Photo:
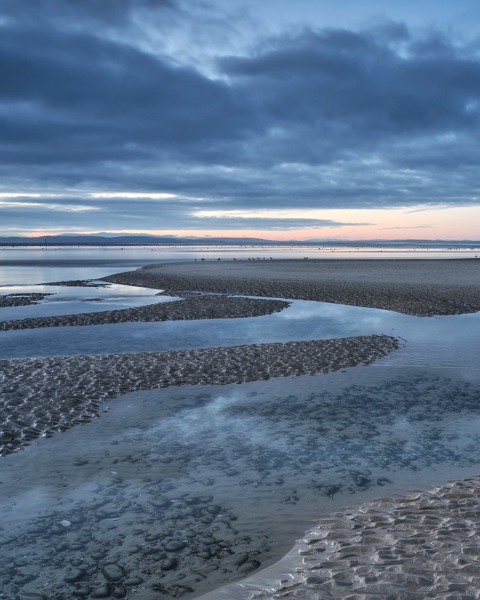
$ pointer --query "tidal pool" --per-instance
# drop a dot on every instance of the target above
(177, 491)
(302, 320)
(70, 300)
(191, 488)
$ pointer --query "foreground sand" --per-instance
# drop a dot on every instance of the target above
(415, 287)
(44, 395)
(426, 545)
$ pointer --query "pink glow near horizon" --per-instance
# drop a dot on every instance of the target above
(423, 223)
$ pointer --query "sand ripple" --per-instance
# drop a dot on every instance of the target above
(426, 545)
(44, 395)
(421, 288)
(192, 307)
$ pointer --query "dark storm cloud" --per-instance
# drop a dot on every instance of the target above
(332, 118)
(80, 12)
(349, 92)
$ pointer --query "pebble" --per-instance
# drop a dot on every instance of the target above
(103, 591)
(74, 575)
(207, 540)
(250, 565)
(174, 546)
(168, 564)
(82, 591)
(57, 529)
(132, 581)
(113, 572)
(214, 509)
(119, 591)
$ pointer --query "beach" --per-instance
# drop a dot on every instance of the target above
(424, 545)
(421, 546)
(416, 287)
(42, 396)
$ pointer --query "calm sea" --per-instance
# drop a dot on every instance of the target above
(20, 265)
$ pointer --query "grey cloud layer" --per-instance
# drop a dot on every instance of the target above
(330, 118)
(73, 213)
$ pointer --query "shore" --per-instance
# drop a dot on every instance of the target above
(193, 307)
(421, 546)
(44, 395)
(414, 287)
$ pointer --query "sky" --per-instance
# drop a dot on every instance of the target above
(313, 119)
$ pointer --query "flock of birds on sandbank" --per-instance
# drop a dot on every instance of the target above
(254, 258)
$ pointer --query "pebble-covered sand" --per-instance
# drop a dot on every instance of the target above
(90, 283)
(416, 287)
(198, 306)
(44, 395)
(8, 300)
(425, 545)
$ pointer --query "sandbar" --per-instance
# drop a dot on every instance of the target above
(190, 308)
(44, 395)
(415, 287)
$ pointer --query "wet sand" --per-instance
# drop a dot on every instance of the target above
(193, 307)
(44, 395)
(424, 545)
(8, 300)
(414, 287)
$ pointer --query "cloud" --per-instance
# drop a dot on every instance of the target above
(334, 118)
(269, 223)
(77, 14)
(165, 212)
(407, 227)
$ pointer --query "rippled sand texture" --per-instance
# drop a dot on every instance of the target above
(193, 307)
(162, 513)
(426, 545)
(43, 395)
(415, 287)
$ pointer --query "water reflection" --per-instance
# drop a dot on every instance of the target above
(187, 489)
(63, 300)
(303, 320)
(57, 263)
(232, 474)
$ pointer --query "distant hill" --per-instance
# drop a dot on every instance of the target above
(108, 239)
(105, 239)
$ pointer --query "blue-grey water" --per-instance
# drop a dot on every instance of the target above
(250, 465)
(22, 265)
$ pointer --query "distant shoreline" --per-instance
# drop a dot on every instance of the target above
(98, 242)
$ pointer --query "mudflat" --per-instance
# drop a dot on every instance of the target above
(417, 287)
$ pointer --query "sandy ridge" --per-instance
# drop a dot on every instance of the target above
(43, 395)
(193, 307)
(8, 300)
(415, 287)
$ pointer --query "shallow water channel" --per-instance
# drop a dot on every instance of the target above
(174, 492)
